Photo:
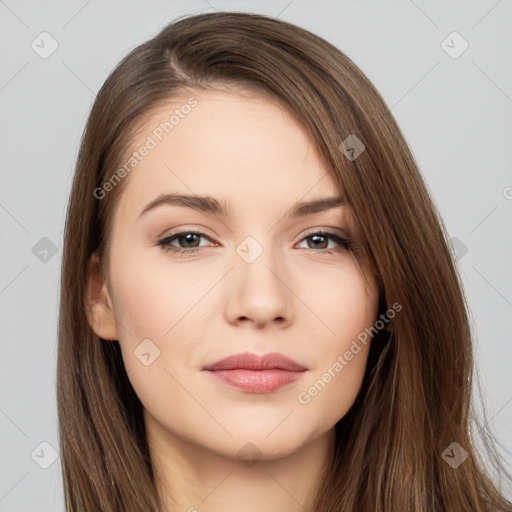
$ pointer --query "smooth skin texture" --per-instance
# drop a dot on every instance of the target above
(302, 297)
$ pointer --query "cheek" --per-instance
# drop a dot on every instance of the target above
(156, 337)
(349, 309)
(328, 397)
(342, 301)
(151, 304)
(158, 305)
(333, 386)
(153, 296)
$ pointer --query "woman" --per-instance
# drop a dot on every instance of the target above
(259, 309)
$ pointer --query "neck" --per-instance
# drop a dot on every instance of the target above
(193, 478)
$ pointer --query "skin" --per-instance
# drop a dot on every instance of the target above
(295, 299)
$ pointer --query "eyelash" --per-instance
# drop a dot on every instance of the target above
(164, 242)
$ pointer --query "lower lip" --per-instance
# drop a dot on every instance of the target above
(257, 381)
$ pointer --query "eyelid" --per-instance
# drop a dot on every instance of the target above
(186, 229)
(337, 230)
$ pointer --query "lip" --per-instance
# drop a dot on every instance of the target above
(256, 374)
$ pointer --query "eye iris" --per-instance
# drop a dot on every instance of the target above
(316, 237)
(188, 237)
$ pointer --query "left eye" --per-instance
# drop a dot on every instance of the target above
(326, 236)
(191, 239)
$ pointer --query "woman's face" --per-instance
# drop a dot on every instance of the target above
(260, 280)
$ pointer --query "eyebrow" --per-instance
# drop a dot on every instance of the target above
(210, 205)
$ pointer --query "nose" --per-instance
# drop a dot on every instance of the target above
(259, 293)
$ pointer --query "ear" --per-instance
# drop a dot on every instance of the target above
(99, 310)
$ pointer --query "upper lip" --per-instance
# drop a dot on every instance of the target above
(250, 361)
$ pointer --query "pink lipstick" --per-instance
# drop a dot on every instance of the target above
(256, 374)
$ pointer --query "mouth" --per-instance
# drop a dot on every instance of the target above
(256, 374)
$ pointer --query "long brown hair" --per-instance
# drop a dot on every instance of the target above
(415, 398)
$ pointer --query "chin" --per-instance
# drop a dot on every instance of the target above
(256, 444)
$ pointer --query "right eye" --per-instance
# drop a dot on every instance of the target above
(188, 236)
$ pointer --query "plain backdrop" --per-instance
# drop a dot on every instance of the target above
(453, 103)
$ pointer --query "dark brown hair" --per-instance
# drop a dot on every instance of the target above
(415, 397)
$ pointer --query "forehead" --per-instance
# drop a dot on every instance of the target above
(236, 145)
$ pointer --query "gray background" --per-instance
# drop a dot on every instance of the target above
(456, 114)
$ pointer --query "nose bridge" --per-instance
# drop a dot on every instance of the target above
(258, 282)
